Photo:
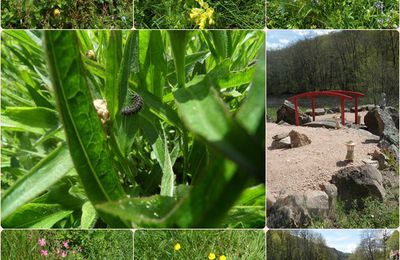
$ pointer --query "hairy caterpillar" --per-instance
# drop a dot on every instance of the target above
(135, 105)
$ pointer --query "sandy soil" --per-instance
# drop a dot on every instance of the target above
(307, 167)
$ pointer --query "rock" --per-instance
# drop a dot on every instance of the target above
(318, 111)
(283, 123)
(329, 111)
(381, 122)
(394, 113)
(322, 123)
(316, 202)
(288, 212)
(363, 108)
(280, 136)
(298, 140)
(281, 144)
(332, 193)
(296, 210)
(377, 119)
(270, 200)
(371, 162)
(381, 159)
(286, 113)
(355, 183)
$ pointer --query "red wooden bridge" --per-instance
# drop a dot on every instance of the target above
(342, 94)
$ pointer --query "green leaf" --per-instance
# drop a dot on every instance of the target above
(141, 212)
(36, 117)
(39, 179)
(251, 114)
(178, 40)
(36, 215)
(203, 113)
(89, 216)
(83, 129)
(168, 178)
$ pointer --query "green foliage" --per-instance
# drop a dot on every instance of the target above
(192, 157)
(198, 244)
(371, 213)
(345, 14)
(99, 244)
(173, 14)
(67, 14)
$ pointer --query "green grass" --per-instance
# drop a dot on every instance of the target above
(171, 14)
(198, 244)
(88, 14)
(99, 244)
(372, 214)
(342, 14)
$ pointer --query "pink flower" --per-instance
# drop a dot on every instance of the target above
(63, 254)
(44, 252)
(42, 242)
(65, 244)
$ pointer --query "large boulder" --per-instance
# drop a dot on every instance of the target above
(296, 210)
(317, 111)
(357, 183)
(297, 139)
(286, 113)
(378, 119)
(384, 123)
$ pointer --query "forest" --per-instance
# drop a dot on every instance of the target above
(365, 61)
(310, 245)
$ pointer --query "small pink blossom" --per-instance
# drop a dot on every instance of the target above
(44, 252)
(42, 242)
(63, 254)
(65, 244)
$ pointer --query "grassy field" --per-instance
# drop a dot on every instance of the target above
(224, 14)
(199, 244)
(71, 244)
(343, 14)
(67, 14)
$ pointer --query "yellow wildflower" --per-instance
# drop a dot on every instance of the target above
(211, 256)
(177, 247)
(222, 257)
(56, 12)
(202, 15)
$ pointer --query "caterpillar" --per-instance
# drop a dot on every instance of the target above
(135, 106)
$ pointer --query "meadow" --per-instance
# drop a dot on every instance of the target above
(66, 244)
(343, 14)
(66, 14)
(199, 244)
(133, 129)
(194, 14)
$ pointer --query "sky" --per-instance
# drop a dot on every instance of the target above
(345, 240)
(278, 39)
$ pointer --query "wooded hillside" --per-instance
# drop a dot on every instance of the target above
(310, 245)
(365, 61)
(300, 245)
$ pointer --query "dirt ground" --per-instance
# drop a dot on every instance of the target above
(307, 167)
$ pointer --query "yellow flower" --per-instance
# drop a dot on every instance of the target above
(211, 256)
(177, 247)
(56, 12)
(222, 257)
(201, 15)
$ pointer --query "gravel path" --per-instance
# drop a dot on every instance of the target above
(308, 167)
